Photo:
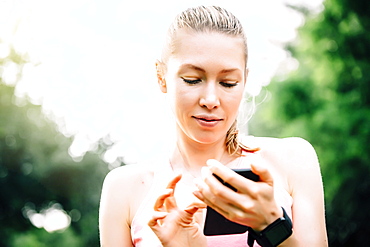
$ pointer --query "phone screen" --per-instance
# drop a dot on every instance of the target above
(215, 223)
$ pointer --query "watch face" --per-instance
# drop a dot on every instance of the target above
(278, 233)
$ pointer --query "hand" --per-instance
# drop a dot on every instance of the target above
(175, 227)
(252, 205)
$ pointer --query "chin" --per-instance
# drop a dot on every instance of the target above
(208, 138)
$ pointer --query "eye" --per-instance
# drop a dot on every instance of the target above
(192, 82)
(226, 84)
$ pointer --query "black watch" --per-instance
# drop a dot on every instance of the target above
(274, 234)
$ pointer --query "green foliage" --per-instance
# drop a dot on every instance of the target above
(40, 238)
(36, 170)
(326, 100)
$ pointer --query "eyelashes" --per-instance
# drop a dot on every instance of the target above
(191, 82)
(225, 84)
(196, 81)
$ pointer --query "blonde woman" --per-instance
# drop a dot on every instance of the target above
(204, 70)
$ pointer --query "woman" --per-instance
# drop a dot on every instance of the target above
(204, 71)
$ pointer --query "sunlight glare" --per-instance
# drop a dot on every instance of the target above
(52, 218)
(92, 64)
(10, 73)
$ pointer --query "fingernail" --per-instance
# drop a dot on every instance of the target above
(212, 162)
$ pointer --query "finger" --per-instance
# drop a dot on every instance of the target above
(263, 173)
(221, 201)
(153, 222)
(233, 208)
(209, 187)
(170, 203)
(209, 177)
(159, 203)
(225, 173)
(188, 217)
(201, 189)
(237, 181)
(190, 211)
(229, 211)
(198, 195)
(173, 182)
(194, 207)
(215, 194)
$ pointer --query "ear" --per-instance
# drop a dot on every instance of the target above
(160, 67)
(246, 75)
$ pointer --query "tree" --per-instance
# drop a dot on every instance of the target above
(36, 172)
(326, 100)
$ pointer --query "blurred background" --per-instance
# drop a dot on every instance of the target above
(78, 98)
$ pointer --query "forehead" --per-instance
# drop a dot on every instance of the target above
(205, 48)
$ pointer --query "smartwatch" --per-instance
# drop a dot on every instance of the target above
(274, 234)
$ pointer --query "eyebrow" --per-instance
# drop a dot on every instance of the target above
(191, 66)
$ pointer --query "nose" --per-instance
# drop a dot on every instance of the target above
(209, 98)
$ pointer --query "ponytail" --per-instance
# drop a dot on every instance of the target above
(232, 143)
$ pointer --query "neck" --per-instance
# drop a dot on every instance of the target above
(190, 156)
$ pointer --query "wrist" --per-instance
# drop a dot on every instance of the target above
(274, 234)
(274, 215)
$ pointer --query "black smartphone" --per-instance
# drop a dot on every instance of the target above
(215, 223)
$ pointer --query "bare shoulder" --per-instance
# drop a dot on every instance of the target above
(118, 194)
(290, 149)
(129, 175)
(123, 190)
(294, 158)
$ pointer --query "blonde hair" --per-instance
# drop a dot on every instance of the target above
(211, 19)
(205, 19)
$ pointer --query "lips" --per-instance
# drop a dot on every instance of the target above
(207, 121)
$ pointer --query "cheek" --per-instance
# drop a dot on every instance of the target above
(185, 99)
(182, 98)
(232, 103)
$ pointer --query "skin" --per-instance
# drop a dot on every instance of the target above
(205, 77)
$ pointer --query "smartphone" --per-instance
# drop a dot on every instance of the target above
(215, 223)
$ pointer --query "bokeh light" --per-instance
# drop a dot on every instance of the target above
(52, 218)
(92, 64)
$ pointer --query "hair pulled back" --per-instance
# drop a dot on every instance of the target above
(210, 19)
(205, 19)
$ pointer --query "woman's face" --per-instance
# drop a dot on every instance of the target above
(205, 77)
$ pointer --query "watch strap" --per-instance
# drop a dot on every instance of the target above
(274, 234)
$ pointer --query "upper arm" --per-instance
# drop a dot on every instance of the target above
(307, 191)
(114, 212)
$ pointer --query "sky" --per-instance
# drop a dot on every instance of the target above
(92, 64)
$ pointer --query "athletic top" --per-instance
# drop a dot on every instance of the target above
(143, 236)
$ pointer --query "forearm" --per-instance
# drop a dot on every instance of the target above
(295, 241)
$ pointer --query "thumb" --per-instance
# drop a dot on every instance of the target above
(153, 222)
(193, 208)
(263, 173)
(188, 217)
(190, 211)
